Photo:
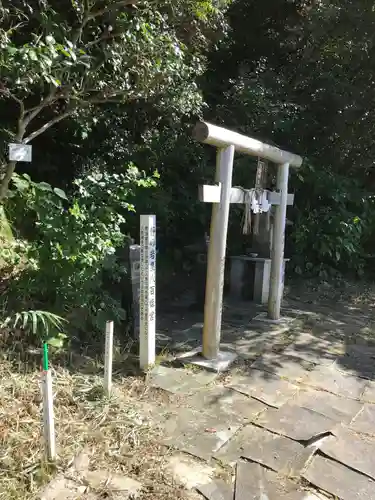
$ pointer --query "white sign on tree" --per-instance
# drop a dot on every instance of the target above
(20, 152)
(147, 302)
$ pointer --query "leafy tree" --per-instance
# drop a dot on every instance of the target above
(72, 244)
(299, 74)
(96, 86)
(59, 59)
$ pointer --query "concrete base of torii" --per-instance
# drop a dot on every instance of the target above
(221, 363)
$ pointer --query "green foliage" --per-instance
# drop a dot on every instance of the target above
(119, 73)
(74, 243)
(5, 229)
(331, 222)
(296, 74)
(62, 59)
(44, 325)
(135, 56)
(68, 55)
(13, 254)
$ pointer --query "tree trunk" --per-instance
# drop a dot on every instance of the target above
(10, 167)
(4, 186)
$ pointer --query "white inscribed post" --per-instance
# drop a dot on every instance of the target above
(147, 304)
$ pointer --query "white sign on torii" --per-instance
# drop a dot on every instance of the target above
(211, 194)
(221, 196)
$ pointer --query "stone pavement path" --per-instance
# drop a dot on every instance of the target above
(293, 419)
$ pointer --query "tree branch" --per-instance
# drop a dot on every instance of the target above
(109, 8)
(31, 113)
(104, 97)
(21, 123)
(11, 165)
(98, 99)
(109, 36)
(49, 124)
(7, 93)
(89, 15)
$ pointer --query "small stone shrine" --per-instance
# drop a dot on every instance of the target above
(250, 273)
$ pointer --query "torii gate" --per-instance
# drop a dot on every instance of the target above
(221, 196)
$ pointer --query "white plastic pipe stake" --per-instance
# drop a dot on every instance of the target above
(48, 417)
(108, 358)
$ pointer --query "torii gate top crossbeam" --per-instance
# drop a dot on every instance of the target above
(222, 138)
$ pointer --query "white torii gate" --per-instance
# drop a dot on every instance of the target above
(227, 143)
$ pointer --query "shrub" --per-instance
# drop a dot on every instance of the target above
(73, 243)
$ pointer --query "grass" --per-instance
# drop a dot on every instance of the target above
(119, 432)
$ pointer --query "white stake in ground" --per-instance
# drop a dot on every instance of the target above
(147, 299)
(48, 419)
(108, 358)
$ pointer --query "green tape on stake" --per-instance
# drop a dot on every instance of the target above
(45, 357)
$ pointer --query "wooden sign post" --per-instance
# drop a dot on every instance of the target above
(147, 303)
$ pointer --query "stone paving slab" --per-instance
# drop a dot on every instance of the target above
(198, 433)
(369, 393)
(61, 488)
(365, 420)
(295, 422)
(358, 360)
(328, 378)
(354, 450)
(275, 452)
(177, 343)
(221, 400)
(179, 380)
(262, 317)
(253, 482)
(180, 339)
(216, 490)
(242, 348)
(360, 350)
(290, 367)
(251, 341)
(332, 406)
(339, 480)
(102, 479)
(314, 349)
(222, 362)
(266, 387)
(188, 471)
(115, 485)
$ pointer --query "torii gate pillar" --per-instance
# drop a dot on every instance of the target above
(216, 255)
(227, 143)
(278, 238)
